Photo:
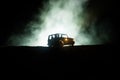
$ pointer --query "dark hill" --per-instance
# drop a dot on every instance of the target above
(87, 60)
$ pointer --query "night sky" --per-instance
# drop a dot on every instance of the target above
(17, 14)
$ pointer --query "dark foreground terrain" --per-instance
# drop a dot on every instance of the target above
(49, 62)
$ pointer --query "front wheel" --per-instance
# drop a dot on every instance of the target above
(72, 44)
(61, 44)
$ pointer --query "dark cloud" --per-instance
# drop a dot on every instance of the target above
(102, 18)
(15, 15)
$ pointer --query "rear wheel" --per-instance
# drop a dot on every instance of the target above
(50, 46)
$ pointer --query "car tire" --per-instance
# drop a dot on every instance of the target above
(61, 43)
(72, 45)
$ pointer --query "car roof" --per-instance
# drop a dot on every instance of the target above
(58, 33)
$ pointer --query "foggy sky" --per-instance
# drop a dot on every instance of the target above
(100, 20)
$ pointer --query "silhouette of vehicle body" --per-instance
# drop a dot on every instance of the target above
(59, 40)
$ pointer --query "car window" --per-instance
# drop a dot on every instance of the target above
(64, 36)
(60, 35)
(49, 37)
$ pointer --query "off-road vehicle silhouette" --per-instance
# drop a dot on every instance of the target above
(59, 40)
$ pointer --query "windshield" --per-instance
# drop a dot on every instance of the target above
(64, 35)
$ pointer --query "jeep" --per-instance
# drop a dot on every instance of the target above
(59, 40)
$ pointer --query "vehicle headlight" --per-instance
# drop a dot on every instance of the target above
(66, 39)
